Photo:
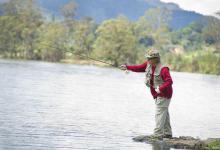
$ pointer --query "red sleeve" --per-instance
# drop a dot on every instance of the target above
(153, 92)
(137, 68)
(165, 74)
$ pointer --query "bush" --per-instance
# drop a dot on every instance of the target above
(205, 61)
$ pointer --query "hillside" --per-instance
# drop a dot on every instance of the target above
(105, 9)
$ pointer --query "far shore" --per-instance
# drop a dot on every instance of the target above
(83, 62)
(88, 62)
(65, 61)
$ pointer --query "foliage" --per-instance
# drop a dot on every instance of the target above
(19, 26)
(152, 29)
(25, 34)
(68, 12)
(83, 36)
(211, 32)
(214, 146)
(115, 41)
(51, 42)
(205, 61)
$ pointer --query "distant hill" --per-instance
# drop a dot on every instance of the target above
(105, 9)
(101, 10)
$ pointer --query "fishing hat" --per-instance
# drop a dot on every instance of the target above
(152, 53)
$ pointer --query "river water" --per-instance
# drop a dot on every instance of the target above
(61, 106)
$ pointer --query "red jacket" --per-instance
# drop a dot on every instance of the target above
(165, 89)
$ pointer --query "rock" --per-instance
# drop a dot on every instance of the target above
(182, 142)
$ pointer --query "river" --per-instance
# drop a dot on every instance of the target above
(63, 106)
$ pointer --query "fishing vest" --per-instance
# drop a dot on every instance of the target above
(157, 78)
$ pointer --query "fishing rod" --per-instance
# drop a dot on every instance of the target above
(85, 56)
(88, 57)
(91, 58)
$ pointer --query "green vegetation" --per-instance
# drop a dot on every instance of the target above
(26, 33)
(115, 41)
(214, 146)
(205, 61)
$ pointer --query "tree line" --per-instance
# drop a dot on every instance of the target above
(28, 33)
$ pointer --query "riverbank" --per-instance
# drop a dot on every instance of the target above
(83, 62)
(95, 63)
(65, 61)
(99, 64)
(182, 142)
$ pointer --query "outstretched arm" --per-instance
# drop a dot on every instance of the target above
(137, 68)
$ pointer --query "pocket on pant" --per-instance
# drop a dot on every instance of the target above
(162, 102)
(159, 100)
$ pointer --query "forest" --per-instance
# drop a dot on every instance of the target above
(27, 33)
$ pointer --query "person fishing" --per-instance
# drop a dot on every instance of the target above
(159, 80)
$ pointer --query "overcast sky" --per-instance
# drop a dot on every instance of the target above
(206, 7)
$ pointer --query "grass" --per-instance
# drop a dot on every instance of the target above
(214, 145)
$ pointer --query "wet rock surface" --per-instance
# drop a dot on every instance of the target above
(182, 142)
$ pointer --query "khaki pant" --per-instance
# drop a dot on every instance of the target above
(162, 117)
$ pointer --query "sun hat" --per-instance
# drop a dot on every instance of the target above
(152, 53)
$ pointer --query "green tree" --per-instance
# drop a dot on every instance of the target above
(23, 18)
(152, 29)
(116, 41)
(50, 45)
(68, 11)
(189, 37)
(8, 41)
(84, 36)
(211, 32)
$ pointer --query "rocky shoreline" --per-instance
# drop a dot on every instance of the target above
(182, 142)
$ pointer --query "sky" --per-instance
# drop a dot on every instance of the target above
(1, 1)
(205, 7)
